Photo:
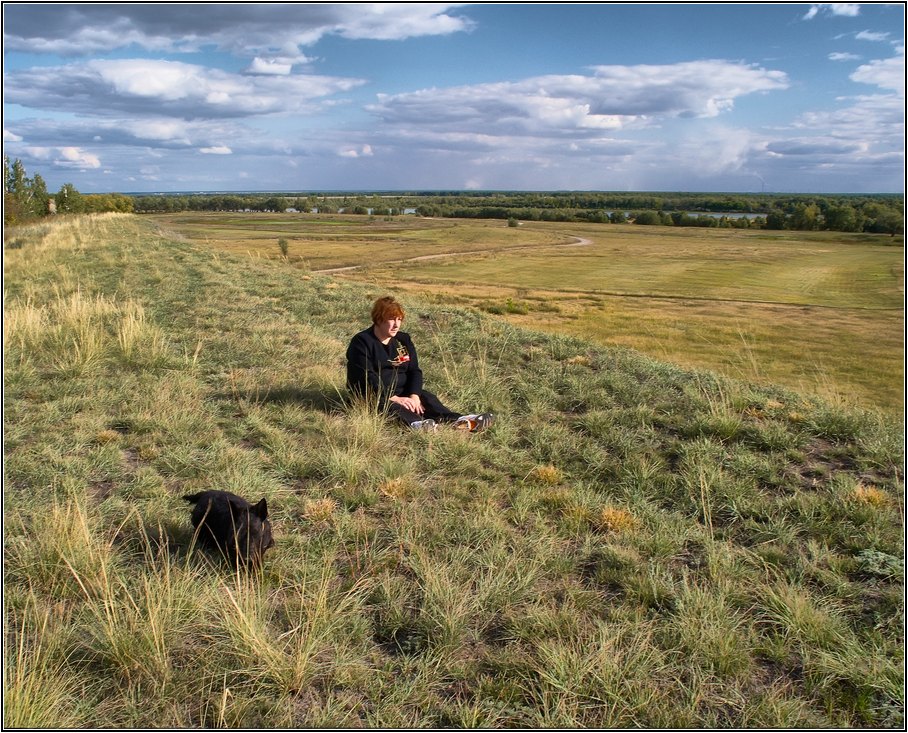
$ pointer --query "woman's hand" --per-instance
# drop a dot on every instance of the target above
(411, 403)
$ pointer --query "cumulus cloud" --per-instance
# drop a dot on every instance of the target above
(264, 66)
(886, 73)
(849, 10)
(167, 88)
(143, 132)
(868, 128)
(611, 98)
(365, 151)
(262, 30)
(65, 157)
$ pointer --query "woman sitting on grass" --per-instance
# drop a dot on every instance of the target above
(382, 366)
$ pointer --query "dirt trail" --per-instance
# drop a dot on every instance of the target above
(578, 242)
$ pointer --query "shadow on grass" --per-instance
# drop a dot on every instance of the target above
(311, 397)
(146, 544)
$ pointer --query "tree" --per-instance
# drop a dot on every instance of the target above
(841, 219)
(805, 217)
(69, 200)
(887, 221)
(40, 196)
(648, 218)
(777, 220)
(24, 198)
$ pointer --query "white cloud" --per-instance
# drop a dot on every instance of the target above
(217, 150)
(872, 36)
(265, 66)
(886, 73)
(65, 157)
(364, 151)
(263, 30)
(866, 127)
(11, 137)
(396, 21)
(841, 56)
(146, 87)
(849, 10)
(613, 97)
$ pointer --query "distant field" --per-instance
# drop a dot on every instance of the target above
(818, 312)
(337, 241)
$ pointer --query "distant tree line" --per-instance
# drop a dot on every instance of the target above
(880, 213)
(26, 199)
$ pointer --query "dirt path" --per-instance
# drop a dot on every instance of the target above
(578, 242)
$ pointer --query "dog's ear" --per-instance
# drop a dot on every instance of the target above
(261, 510)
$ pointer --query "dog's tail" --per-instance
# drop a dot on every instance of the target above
(192, 498)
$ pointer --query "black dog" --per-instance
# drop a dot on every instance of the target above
(229, 523)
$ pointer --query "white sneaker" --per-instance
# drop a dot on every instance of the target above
(465, 422)
(474, 423)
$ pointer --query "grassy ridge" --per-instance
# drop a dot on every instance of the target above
(818, 312)
(632, 544)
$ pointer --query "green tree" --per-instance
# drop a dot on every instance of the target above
(69, 200)
(841, 219)
(888, 221)
(24, 198)
(647, 218)
(805, 217)
(777, 220)
(39, 195)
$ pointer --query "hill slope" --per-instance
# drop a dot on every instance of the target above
(631, 545)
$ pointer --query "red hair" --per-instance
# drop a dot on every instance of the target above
(385, 309)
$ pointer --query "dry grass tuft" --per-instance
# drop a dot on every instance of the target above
(549, 474)
(107, 436)
(581, 359)
(612, 519)
(319, 510)
(870, 495)
(394, 488)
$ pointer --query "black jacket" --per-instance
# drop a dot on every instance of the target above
(386, 371)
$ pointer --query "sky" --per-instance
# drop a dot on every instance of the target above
(750, 97)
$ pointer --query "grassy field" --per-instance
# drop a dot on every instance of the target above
(816, 312)
(632, 544)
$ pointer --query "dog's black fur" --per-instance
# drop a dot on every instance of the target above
(230, 524)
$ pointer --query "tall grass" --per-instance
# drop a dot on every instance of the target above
(630, 545)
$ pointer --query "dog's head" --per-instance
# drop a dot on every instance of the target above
(253, 531)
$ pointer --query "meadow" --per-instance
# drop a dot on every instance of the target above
(818, 312)
(633, 543)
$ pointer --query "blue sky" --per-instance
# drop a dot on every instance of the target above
(355, 96)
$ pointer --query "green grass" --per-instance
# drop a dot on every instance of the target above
(817, 312)
(632, 544)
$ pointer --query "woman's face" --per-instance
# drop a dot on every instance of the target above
(388, 328)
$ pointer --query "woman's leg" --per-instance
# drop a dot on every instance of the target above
(403, 414)
(432, 407)
(435, 410)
